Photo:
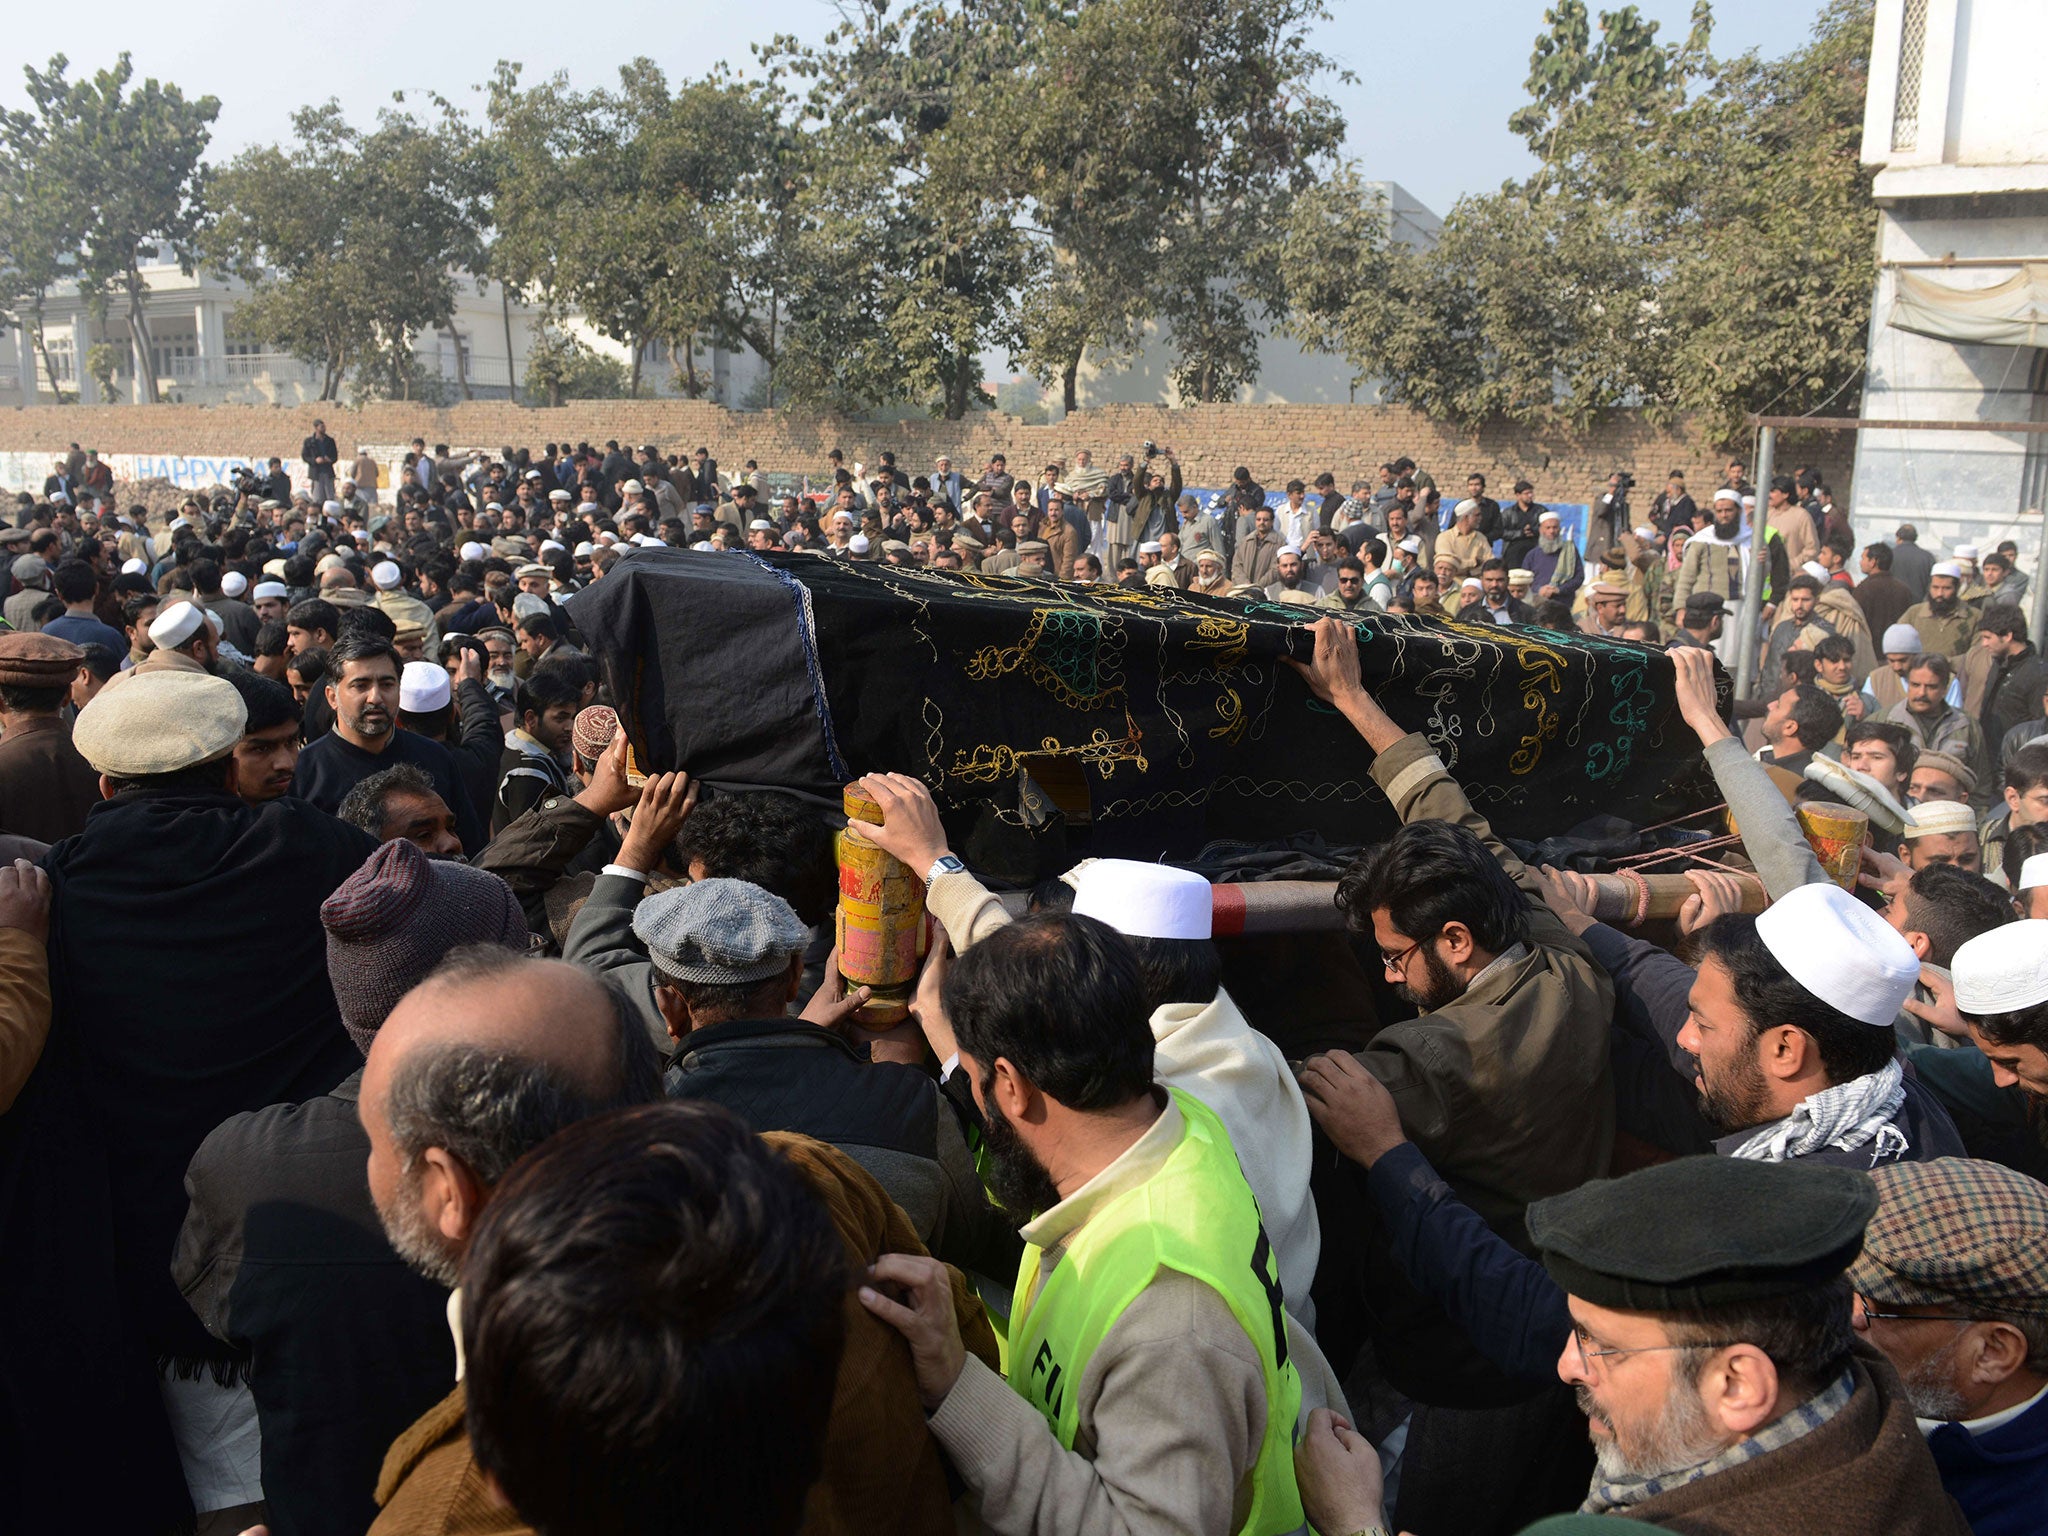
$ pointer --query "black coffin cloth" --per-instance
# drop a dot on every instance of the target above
(802, 672)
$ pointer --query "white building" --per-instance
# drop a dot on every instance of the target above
(200, 357)
(1288, 374)
(1956, 125)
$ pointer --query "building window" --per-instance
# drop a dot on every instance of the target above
(1912, 48)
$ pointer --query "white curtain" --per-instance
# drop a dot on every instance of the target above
(2013, 313)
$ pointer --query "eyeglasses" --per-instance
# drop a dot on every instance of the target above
(1869, 1314)
(1397, 964)
(1588, 1356)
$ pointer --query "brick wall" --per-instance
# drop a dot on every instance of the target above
(1278, 442)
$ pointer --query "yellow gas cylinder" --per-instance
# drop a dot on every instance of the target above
(879, 923)
(1837, 834)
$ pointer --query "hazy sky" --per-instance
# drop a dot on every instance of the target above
(1436, 81)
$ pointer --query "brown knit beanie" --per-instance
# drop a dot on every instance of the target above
(392, 921)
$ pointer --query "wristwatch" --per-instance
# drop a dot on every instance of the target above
(944, 864)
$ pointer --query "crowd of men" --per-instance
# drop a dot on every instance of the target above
(413, 1119)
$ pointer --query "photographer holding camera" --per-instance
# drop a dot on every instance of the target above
(1610, 510)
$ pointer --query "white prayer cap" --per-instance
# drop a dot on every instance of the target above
(1727, 493)
(859, 544)
(760, 525)
(558, 494)
(494, 506)
(2003, 970)
(1903, 639)
(585, 548)
(234, 584)
(423, 687)
(533, 474)
(265, 589)
(1817, 571)
(214, 619)
(175, 625)
(1840, 951)
(842, 516)
(1519, 577)
(631, 488)
(331, 508)
(1940, 818)
(1469, 504)
(1471, 584)
(176, 523)
(386, 575)
(1749, 502)
(1947, 568)
(1412, 545)
(134, 567)
(1646, 532)
(554, 545)
(586, 507)
(2033, 873)
(528, 605)
(1548, 516)
(472, 551)
(1285, 549)
(1965, 551)
(1154, 547)
(1145, 901)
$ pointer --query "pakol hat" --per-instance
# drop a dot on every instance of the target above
(2001, 971)
(37, 661)
(159, 722)
(1944, 762)
(719, 932)
(1145, 901)
(1940, 818)
(1841, 952)
(1751, 1231)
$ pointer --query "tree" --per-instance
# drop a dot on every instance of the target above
(562, 368)
(349, 241)
(909, 263)
(132, 158)
(39, 231)
(1698, 240)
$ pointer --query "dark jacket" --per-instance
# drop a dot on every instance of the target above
(2000, 1477)
(1913, 566)
(46, 787)
(2012, 697)
(1884, 599)
(524, 780)
(144, 1059)
(330, 767)
(555, 838)
(788, 1075)
(477, 746)
(282, 1256)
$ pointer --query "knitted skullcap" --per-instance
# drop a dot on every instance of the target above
(396, 918)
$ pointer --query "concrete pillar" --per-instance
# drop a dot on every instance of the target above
(25, 364)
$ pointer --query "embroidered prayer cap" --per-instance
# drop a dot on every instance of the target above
(1956, 1232)
(269, 589)
(1465, 507)
(159, 722)
(1145, 901)
(1947, 568)
(593, 731)
(1940, 818)
(2001, 971)
(1902, 640)
(1703, 1232)
(1299, 596)
(719, 932)
(2033, 873)
(1840, 951)
(234, 584)
(1518, 577)
(33, 660)
(1953, 766)
(423, 687)
(175, 625)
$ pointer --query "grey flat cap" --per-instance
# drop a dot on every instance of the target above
(720, 932)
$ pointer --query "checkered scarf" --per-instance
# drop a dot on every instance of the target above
(1780, 1432)
(1841, 1118)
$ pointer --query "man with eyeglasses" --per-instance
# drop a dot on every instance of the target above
(1700, 1313)
(1502, 1077)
